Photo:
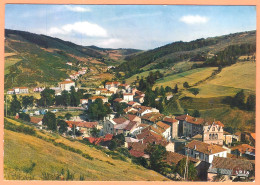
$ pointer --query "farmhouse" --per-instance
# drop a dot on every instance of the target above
(66, 85)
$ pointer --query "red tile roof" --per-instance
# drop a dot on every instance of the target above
(243, 148)
(119, 120)
(162, 125)
(173, 157)
(96, 97)
(82, 124)
(204, 147)
(118, 100)
(169, 119)
(67, 82)
(35, 120)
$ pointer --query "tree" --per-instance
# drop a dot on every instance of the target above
(63, 126)
(119, 139)
(192, 172)
(186, 85)
(194, 91)
(65, 98)
(239, 99)
(112, 145)
(47, 97)
(250, 103)
(15, 106)
(149, 99)
(94, 132)
(98, 110)
(24, 117)
(27, 101)
(157, 155)
(162, 91)
(74, 97)
(175, 90)
(168, 89)
(196, 114)
(68, 116)
(49, 119)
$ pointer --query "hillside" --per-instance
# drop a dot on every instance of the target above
(198, 50)
(28, 157)
(33, 59)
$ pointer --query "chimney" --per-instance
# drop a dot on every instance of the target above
(195, 147)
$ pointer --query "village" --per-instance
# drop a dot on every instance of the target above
(214, 152)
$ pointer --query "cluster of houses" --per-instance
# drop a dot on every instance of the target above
(18, 90)
(75, 75)
(204, 143)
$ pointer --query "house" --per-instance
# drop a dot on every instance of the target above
(132, 117)
(213, 134)
(164, 129)
(110, 124)
(142, 110)
(138, 99)
(174, 126)
(175, 158)
(190, 126)
(230, 168)
(83, 101)
(152, 117)
(248, 137)
(128, 97)
(37, 121)
(244, 150)
(93, 99)
(66, 85)
(139, 128)
(227, 138)
(204, 151)
(132, 104)
(112, 86)
(18, 90)
(10, 91)
(83, 126)
(107, 93)
(99, 90)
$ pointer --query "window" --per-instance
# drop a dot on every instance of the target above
(213, 129)
(216, 136)
(210, 136)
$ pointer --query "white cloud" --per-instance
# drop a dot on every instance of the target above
(77, 8)
(84, 28)
(194, 19)
(111, 42)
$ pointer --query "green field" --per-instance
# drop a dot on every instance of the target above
(192, 76)
(9, 61)
(143, 74)
(21, 151)
(229, 81)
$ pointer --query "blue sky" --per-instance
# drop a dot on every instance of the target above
(130, 26)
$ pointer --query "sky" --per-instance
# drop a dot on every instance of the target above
(130, 26)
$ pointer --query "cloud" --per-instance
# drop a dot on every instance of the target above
(84, 28)
(77, 8)
(111, 42)
(194, 19)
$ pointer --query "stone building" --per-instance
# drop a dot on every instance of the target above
(213, 134)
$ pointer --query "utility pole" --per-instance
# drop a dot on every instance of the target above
(6, 105)
(186, 167)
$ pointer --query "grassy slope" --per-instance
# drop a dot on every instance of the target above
(212, 92)
(229, 81)
(191, 76)
(21, 150)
